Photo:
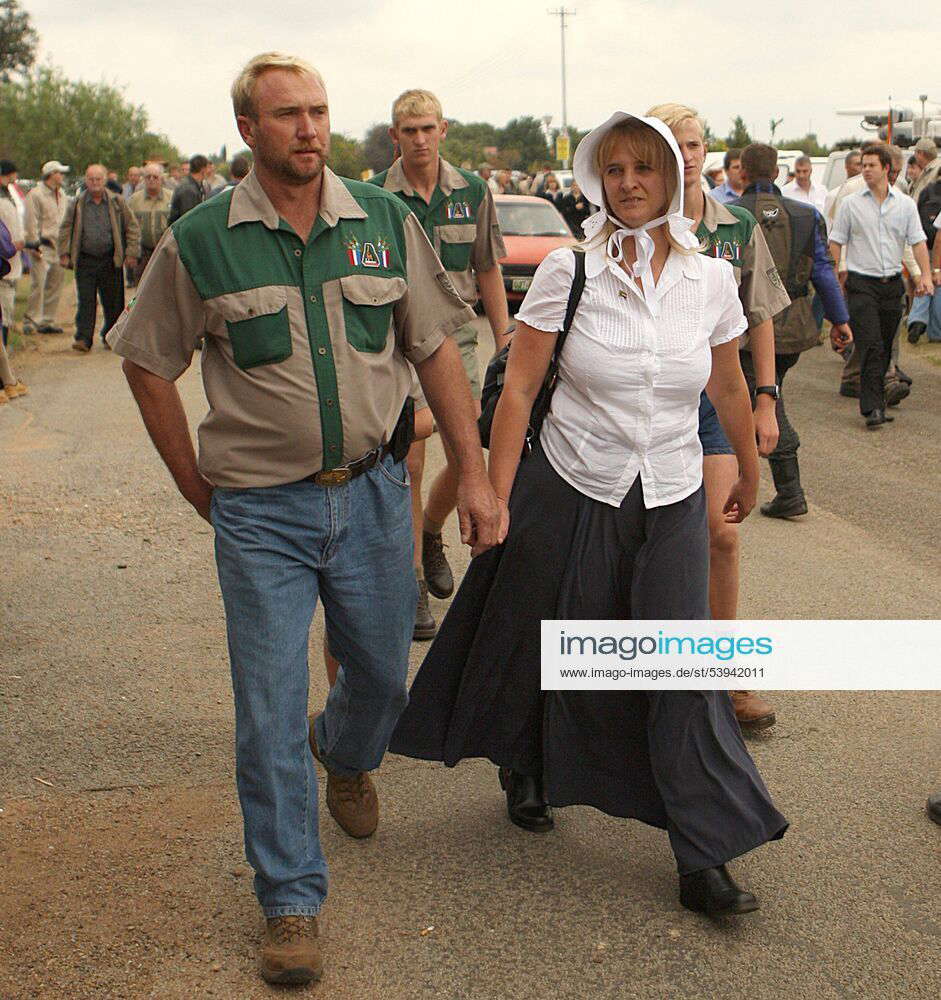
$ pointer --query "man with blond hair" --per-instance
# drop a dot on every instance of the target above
(312, 294)
(732, 233)
(455, 208)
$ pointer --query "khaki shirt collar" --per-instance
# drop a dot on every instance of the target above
(449, 178)
(715, 214)
(251, 204)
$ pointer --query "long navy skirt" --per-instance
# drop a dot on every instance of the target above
(673, 759)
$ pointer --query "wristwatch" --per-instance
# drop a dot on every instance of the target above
(770, 390)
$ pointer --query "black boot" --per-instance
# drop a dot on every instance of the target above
(525, 802)
(435, 566)
(713, 891)
(915, 331)
(789, 500)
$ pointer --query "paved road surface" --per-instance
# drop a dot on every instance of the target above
(120, 840)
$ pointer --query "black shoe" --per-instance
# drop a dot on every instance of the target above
(934, 808)
(915, 330)
(876, 418)
(525, 803)
(49, 328)
(850, 391)
(902, 377)
(425, 625)
(781, 506)
(896, 392)
(435, 566)
(713, 891)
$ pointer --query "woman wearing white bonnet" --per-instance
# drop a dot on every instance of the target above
(607, 519)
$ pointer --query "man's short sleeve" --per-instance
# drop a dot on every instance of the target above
(761, 289)
(488, 246)
(431, 308)
(165, 319)
(730, 321)
(840, 232)
(546, 301)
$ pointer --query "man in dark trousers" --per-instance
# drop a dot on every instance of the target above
(190, 192)
(98, 236)
(796, 236)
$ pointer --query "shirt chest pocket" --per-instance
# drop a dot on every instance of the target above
(257, 323)
(368, 301)
(457, 242)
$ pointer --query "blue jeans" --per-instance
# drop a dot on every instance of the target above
(927, 309)
(277, 549)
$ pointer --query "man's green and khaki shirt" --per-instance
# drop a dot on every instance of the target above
(460, 221)
(304, 363)
(732, 233)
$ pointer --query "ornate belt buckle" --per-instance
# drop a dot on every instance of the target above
(333, 477)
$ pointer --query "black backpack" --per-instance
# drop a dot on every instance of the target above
(496, 371)
(929, 204)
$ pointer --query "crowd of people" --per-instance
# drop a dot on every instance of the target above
(335, 319)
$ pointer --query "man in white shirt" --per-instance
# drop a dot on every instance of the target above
(874, 226)
(804, 187)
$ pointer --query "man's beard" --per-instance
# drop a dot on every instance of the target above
(284, 167)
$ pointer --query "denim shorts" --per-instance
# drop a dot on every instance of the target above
(711, 436)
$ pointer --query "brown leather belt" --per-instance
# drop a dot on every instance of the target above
(344, 473)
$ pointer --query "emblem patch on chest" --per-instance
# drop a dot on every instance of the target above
(727, 250)
(770, 213)
(367, 253)
(460, 210)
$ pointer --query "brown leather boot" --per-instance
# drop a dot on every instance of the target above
(752, 711)
(352, 800)
(290, 953)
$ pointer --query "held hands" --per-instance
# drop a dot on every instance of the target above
(924, 285)
(742, 498)
(841, 336)
(480, 514)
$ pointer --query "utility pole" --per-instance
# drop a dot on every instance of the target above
(562, 14)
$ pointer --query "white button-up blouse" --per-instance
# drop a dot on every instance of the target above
(627, 399)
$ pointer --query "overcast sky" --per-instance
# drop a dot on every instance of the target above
(798, 61)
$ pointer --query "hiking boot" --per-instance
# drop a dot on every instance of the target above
(752, 711)
(435, 566)
(352, 800)
(425, 625)
(290, 954)
(82, 346)
(915, 331)
(895, 392)
(15, 390)
(784, 506)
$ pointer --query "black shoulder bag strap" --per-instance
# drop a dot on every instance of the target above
(544, 399)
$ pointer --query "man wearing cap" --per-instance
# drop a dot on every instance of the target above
(98, 236)
(46, 205)
(456, 210)
(312, 294)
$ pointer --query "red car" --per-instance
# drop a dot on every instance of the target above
(532, 228)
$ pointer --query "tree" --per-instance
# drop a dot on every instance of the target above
(346, 156)
(528, 141)
(18, 40)
(378, 150)
(738, 138)
(46, 115)
(468, 142)
(807, 143)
